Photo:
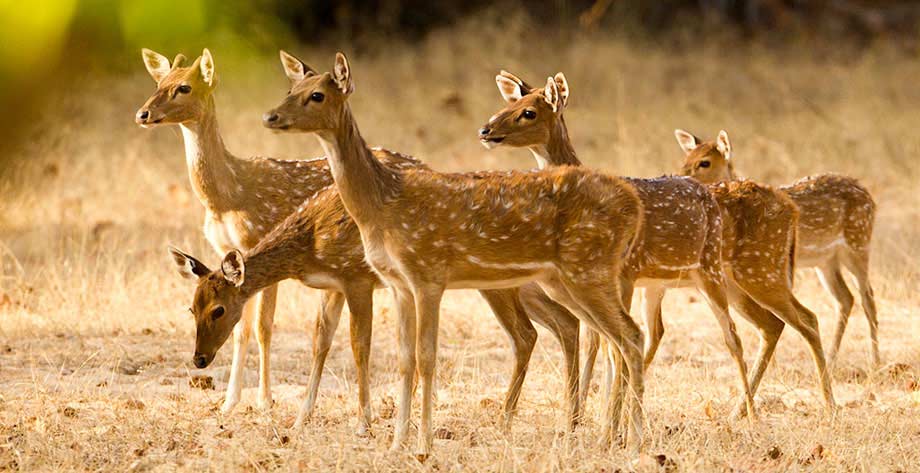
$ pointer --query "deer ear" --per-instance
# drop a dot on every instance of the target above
(342, 74)
(294, 68)
(686, 140)
(551, 94)
(156, 63)
(563, 86)
(510, 88)
(233, 268)
(188, 266)
(723, 145)
(207, 67)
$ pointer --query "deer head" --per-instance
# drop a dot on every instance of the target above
(708, 162)
(182, 92)
(315, 100)
(531, 113)
(218, 302)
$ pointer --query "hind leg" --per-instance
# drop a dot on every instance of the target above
(785, 306)
(599, 305)
(858, 264)
(564, 326)
(592, 345)
(651, 309)
(510, 314)
(770, 329)
(832, 279)
(714, 292)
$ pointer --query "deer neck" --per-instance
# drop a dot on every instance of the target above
(209, 162)
(558, 150)
(730, 174)
(364, 183)
(276, 258)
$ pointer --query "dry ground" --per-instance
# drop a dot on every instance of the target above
(95, 341)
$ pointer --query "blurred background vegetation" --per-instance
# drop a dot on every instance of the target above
(49, 43)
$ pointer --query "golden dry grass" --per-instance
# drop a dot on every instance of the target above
(95, 341)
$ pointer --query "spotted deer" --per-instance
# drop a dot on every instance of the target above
(321, 248)
(761, 247)
(423, 232)
(243, 198)
(682, 240)
(836, 216)
(319, 245)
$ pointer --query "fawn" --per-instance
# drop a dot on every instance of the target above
(835, 232)
(681, 241)
(243, 198)
(424, 232)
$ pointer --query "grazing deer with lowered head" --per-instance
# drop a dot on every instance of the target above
(760, 243)
(836, 216)
(319, 245)
(243, 198)
(681, 241)
(424, 232)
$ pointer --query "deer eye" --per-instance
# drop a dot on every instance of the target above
(529, 114)
(184, 89)
(217, 313)
(317, 97)
(704, 164)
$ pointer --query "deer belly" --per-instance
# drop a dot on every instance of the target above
(479, 274)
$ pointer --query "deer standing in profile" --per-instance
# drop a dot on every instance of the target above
(680, 243)
(424, 232)
(317, 244)
(836, 216)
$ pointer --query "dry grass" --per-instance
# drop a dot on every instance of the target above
(95, 341)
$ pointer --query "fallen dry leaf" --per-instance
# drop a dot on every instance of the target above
(201, 382)
(387, 408)
(443, 433)
(774, 453)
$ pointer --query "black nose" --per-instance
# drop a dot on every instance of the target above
(270, 117)
(200, 361)
(143, 115)
(484, 132)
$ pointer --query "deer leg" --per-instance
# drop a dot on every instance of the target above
(327, 320)
(617, 379)
(510, 314)
(624, 338)
(405, 305)
(428, 305)
(831, 278)
(785, 306)
(615, 392)
(361, 306)
(770, 329)
(266, 313)
(240, 345)
(858, 264)
(565, 327)
(600, 306)
(651, 308)
(714, 293)
(593, 343)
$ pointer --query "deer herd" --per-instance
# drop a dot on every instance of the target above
(560, 245)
